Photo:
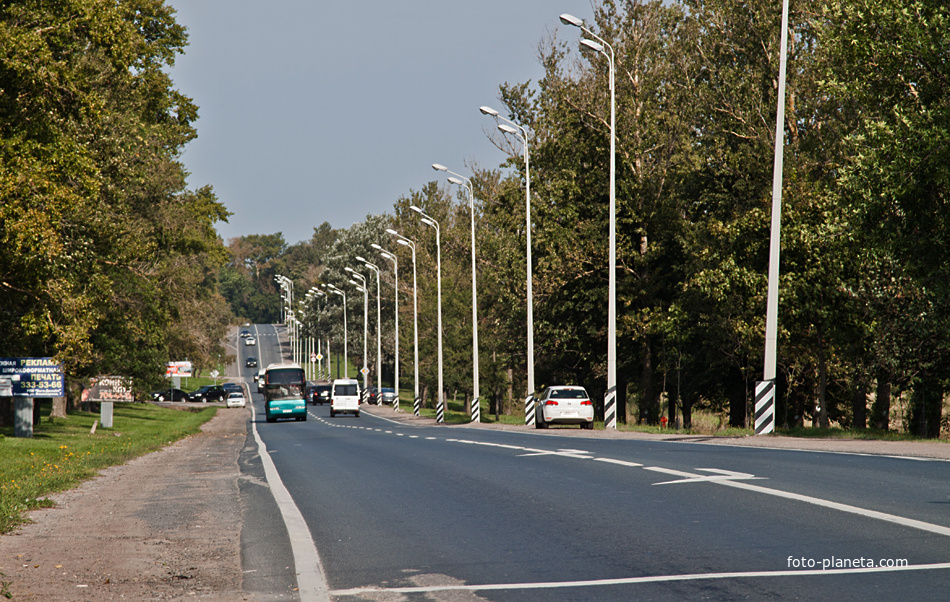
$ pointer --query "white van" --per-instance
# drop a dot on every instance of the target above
(345, 397)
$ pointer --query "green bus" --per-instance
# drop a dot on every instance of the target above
(284, 392)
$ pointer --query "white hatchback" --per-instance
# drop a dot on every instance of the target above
(564, 405)
(236, 400)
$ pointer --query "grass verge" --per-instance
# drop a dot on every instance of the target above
(63, 453)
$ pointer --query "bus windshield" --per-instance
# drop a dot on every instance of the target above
(284, 383)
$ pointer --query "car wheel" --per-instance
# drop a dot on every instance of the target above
(332, 414)
(204, 400)
(357, 414)
(161, 398)
(270, 418)
(588, 425)
(541, 424)
(304, 419)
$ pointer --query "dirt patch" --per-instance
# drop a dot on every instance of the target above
(163, 526)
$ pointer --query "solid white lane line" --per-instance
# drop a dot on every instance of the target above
(311, 580)
(634, 580)
(891, 518)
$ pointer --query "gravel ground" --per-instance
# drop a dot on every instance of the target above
(167, 526)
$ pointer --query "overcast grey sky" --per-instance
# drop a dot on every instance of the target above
(317, 111)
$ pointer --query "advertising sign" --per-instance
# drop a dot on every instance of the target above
(109, 388)
(33, 376)
(178, 369)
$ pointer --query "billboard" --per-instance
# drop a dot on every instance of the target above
(109, 388)
(178, 369)
(33, 376)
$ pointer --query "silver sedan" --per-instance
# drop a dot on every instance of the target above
(564, 404)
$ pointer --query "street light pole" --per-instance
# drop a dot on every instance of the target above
(346, 361)
(765, 407)
(610, 400)
(379, 339)
(365, 290)
(429, 221)
(392, 257)
(459, 180)
(416, 400)
(522, 134)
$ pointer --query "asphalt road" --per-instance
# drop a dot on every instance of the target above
(530, 516)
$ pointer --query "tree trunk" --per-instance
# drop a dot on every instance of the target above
(881, 410)
(859, 407)
(59, 408)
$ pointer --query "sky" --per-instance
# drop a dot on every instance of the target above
(313, 111)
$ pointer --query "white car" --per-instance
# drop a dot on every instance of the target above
(250, 341)
(345, 397)
(236, 400)
(564, 405)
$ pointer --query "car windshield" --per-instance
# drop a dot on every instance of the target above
(236, 395)
(345, 390)
(568, 394)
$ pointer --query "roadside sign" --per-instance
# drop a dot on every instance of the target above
(313, 358)
(320, 356)
(364, 371)
(33, 376)
(214, 374)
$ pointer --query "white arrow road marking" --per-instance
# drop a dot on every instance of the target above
(721, 475)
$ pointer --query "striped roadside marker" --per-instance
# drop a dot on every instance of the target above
(610, 408)
(396, 403)
(416, 405)
(476, 411)
(764, 407)
(440, 412)
(529, 410)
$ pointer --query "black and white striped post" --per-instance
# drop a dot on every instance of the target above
(476, 410)
(764, 407)
(416, 406)
(440, 413)
(529, 410)
(610, 408)
(396, 402)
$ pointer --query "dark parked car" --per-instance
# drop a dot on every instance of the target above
(232, 388)
(250, 362)
(320, 394)
(372, 395)
(245, 334)
(170, 395)
(208, 393)
(387, 396)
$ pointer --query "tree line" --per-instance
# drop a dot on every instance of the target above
(864, 285)
(108, 263)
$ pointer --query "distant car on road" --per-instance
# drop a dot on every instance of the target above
(564, 405)
(235, 400)
(372, 395)
(245, 334)
(320, 394)
(250, 362)
(208, 393)
(170, 395)
(232, 388)
(387, 396)
(248, 341)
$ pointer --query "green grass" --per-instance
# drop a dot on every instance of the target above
(63, 453)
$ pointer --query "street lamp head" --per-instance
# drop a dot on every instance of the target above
(402, 242)
(438, 167)
(507, 128)
(488, 111)
(360, 259)
(376, 246)
(349, 269)
(428, 221)
(455, 180)
(391, 231)
(571, 20)
(592, 45)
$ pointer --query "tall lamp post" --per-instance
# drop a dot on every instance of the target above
(416, 400)
(510, 127)
(610, 400)
(466, 183)
(346, 362)
(391, 257)
(379, 339)
(765, 391)
(365, 290)
(429, 221)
